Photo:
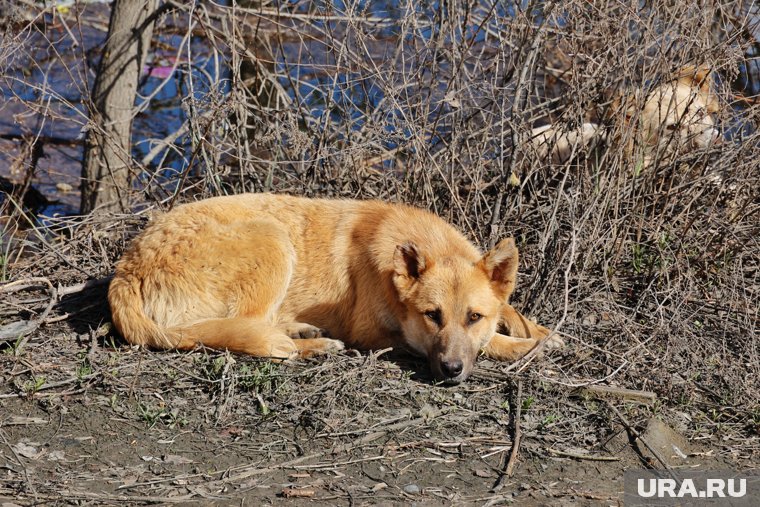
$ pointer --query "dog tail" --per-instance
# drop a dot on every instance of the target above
(129, 317)
(237, 334)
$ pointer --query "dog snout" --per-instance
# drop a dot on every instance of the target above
(708, 137)
(452, 368)
(716, 136)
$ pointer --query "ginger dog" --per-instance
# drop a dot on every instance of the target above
(673, 117)
(263, 274)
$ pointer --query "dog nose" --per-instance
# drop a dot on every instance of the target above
(451, 369)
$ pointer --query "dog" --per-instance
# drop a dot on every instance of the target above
(274, 275)
(560, 143)
(673, 117)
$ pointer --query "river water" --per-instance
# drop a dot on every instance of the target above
(48, 66)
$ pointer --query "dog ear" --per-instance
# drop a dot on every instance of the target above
(500, 264)
(691, 74)
(622, 104)
(701, 77)
(408, 262)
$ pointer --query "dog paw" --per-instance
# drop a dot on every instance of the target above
(554, 342)
(310, 347)
(332, 346)
(282, 350)
(301, 331)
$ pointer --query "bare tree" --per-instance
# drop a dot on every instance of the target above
(106, 169)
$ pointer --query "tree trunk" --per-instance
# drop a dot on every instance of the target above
(106, 175)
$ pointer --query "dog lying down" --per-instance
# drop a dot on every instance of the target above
(265, 274)
(675, 116)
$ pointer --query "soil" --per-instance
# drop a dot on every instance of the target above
(88, 420)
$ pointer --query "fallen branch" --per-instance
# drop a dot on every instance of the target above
(518, 433)
(509, 469)
(103, 497)
(599, 391)
(18, 420)
(20, 329)
(52, 385)
(89, 284)
(577, 455)
(250, 471)
(641, 439)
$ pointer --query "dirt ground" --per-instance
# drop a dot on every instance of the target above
(129, 426)
(87, 420)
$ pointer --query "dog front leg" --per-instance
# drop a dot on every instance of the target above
(520, 326)
(525, 334)
(508, 348)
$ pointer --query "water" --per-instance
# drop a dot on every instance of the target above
(45, 73)
(45, 79)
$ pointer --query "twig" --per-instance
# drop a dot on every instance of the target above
(249, 471)
(518, 433)
(593, 496)
(89, 284)
(161, 481)
(598, 391)
(509, 469)
(18, 420)
(522, 363)
(320, 466)
(52, 385)
(227, 384)
(16, 330)
(577, 455)
(21, 464)
(131, 500)
(26, 283)
(520, 97)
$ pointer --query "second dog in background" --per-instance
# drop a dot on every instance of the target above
(674, 116)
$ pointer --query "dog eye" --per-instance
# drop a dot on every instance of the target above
(671, 126)
(435, 316)
(474, 317)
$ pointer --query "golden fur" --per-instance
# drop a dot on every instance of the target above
(263, 274)
(677, 115)
(559, 143)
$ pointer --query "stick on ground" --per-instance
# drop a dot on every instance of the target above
(510, 466)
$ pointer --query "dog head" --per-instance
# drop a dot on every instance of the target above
(453, 304)
(678, 114)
